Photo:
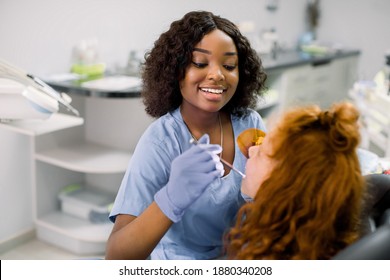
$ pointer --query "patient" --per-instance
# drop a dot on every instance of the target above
(306, 185)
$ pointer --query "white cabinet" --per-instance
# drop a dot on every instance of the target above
(273, 95)
(95, 155)
(93, 151)
(318, 83)
(15, 189)
(76, 162)
(321, 82)
(18, 177)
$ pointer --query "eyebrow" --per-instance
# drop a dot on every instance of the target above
(208, 52)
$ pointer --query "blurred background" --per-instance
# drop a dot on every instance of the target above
(59, 175)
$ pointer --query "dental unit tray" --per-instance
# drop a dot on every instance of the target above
(23, 96)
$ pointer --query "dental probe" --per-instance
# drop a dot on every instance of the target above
(193, 141)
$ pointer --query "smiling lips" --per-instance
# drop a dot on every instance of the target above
(213, 90)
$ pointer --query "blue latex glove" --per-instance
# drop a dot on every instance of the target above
(191, 173)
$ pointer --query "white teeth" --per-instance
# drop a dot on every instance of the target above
(212, 90)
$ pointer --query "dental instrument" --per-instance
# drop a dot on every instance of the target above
(41, 96)
(193, 141)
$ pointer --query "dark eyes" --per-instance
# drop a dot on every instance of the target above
(203, 65)
(230, 67)
(199, 65)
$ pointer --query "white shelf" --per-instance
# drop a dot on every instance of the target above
(87, 157)
(75, 227)
(73, 234)
(38, 127)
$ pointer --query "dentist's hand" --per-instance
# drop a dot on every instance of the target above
(191, 173)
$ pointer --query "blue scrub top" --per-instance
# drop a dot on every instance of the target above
(199, 235)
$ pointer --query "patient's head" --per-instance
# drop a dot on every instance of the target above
(307, 187)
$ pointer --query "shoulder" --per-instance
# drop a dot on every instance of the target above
(249, 116)
(250, 119)
(253, 114)
(160, 130)
(167, 134)
(247, 113)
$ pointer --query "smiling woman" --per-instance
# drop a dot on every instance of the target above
(210, 82)
(200, 80)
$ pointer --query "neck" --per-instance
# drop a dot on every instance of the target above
(204, 122)
(214, 128)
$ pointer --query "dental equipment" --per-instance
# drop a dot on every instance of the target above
(193, 141)
(17, 85)
(248, 138)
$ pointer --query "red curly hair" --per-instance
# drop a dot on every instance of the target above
(309, 207)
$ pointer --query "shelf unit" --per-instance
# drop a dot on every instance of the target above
(93, 150)
(87, 158)
(94, 155)
(84, 163)
(18, 174)
(73, 234)
(39, 127)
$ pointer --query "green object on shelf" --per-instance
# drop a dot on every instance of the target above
(315, 49)
(71, 188)
(88, 69)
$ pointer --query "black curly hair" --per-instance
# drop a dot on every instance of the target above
(166, 63)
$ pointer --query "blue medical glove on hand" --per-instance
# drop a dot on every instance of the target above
(191, 173)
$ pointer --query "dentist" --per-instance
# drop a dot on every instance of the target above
(176, 200)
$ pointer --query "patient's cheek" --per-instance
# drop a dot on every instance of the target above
(250, 185)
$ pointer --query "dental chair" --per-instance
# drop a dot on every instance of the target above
(375, 243)
(377, 206)
(374, 246)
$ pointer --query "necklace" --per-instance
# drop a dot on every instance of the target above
(221, 130)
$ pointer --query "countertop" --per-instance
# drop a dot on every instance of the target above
(285, 59)
(76, 87)
(282, 60)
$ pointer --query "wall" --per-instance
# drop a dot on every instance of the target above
(361, 24)
(16, 202)
(38, 35)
